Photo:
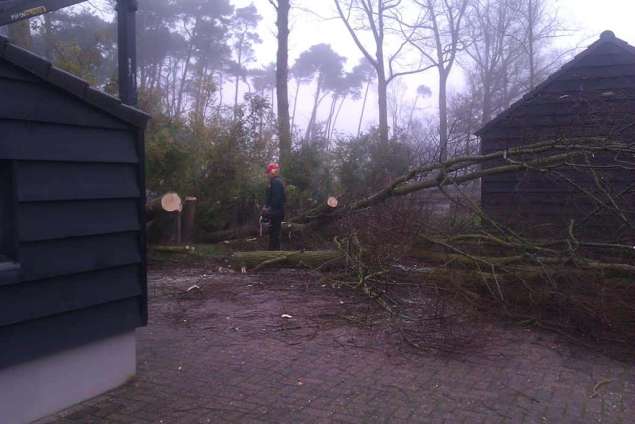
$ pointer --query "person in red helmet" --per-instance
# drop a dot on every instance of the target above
(274, 205)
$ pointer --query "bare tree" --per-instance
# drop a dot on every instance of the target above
(372, 15)
(438, 37)
(508, 49)
(492, 51)
(539, 25)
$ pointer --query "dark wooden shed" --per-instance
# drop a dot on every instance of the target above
(72, 248)
(591, 96)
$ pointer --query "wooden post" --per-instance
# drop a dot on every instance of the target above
(188, 219)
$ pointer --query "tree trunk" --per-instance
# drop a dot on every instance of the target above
(382, 89)
(361, 114)
(316, 103)
(487, 103)
(337, 114)
(282, 82)
(329, 121)
(186, 69)
(443, 116)
(412, 112)
(295, 102)
(187, 219)
(237, 81)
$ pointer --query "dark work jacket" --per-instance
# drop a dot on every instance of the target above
(275, 198)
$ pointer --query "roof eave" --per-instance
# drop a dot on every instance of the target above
(43, 69)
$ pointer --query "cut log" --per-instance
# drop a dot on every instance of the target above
(163, 216)
(285, 259)
(187, 219)
(169, 202)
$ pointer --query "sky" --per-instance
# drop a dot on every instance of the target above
(315, 21)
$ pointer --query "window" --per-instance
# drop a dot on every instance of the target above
(8, 253)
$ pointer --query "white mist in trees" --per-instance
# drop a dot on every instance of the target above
(322, 64)
(203, 25)
(155, 42)
(82, 43)
(538, 26)
(348, 85)
(492, 51)
(372, 16)
(263, 81)
(508, 41)
(244, 36)
(437, 35)
(300, 79)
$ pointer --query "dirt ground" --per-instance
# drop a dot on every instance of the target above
(287, 347)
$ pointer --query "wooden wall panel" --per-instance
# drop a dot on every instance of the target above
(45, 259)
(37, 299)
(77, 163)
(52, 142)
(32, 339)
(54, 220)
(49, 181)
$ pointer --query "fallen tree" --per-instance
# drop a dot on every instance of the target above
(542, 157)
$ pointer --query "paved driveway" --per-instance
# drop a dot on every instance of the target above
(286, 348)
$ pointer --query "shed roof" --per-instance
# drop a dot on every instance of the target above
(606, 38)
(77, 87)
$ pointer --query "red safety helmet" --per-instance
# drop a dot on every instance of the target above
(272, 167)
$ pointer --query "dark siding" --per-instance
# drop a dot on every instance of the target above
(66, 143)
(34, 338)
(79, 228)
(76, 218)
(49, 181)
(7, 211)
(593, 96)
(44, 259)
(27, 301)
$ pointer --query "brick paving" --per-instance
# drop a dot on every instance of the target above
(224, 354)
